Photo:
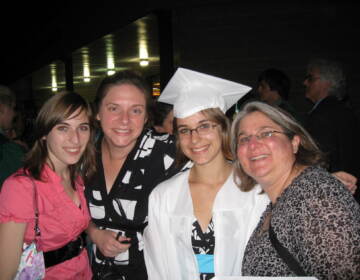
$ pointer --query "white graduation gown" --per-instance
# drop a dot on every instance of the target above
(167, 238)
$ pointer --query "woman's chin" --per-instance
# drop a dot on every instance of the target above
(258, 174)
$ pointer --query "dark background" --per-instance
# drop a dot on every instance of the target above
(231, 39)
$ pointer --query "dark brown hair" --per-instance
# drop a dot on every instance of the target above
(54, 111)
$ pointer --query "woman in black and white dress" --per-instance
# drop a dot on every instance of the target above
(131, 161)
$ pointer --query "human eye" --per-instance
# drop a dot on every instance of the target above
(63, 128)
(85, 127)
(113, 108)
(204, 127)
(137, 111)
(266, 134)
(242, 140)
(184, 131)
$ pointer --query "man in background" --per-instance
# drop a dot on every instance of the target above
(331, 122)
(11, 154)
(274, 88)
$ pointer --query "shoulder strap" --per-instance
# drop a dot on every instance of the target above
(36, 210)
(284, 254)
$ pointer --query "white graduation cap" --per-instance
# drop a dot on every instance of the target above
(190, 92)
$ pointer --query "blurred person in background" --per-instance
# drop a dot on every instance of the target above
(274, 88)
(163, 117)
(11, 153)
(332, 124)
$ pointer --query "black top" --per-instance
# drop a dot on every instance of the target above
(287, 107)
(336, 129)
(125, 208)
(203, 244)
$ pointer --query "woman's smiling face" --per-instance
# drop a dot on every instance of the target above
(67, 140)
(122, 115)
(267, 158)
(203, 145)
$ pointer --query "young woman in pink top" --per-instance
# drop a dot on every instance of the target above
(61, 156)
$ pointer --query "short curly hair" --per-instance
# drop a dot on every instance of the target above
(331, 71)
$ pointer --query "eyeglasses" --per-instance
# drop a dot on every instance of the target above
(311, 78)
(260, 136)
(202, 129)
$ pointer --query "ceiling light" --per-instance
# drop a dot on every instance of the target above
(144, 62)
(86, 65)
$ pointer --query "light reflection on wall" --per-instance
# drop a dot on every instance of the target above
(54, 86)
(143, 46)
(86, 64)
(110, 60)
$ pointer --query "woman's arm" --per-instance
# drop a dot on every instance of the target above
(106, 242)
(347, 179)
(11, 243)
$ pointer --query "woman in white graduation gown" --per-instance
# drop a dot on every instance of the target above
(199, 221)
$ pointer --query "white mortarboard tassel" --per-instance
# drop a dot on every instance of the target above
(190, 92)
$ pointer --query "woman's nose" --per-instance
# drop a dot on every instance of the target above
(254, 141)
(124, 117)
(74, 136)
(194, 135)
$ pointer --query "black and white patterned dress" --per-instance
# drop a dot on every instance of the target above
(318, 221)
(203, 243)
(125, 208)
